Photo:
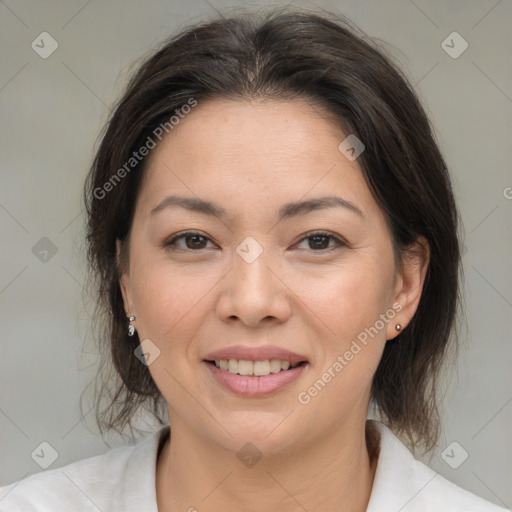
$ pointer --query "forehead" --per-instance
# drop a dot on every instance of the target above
(260, 127)
(254, 152)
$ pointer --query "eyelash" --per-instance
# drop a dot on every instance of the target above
(169, 243)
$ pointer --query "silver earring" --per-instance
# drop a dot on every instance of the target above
(398, 327)
(131, 328)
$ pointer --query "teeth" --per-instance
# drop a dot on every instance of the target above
(275, 365)
(261, 368)
(245, 367)
(254, 368)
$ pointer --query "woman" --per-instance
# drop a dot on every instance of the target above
(274, 237)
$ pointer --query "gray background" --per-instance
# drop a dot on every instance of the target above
(52, 112)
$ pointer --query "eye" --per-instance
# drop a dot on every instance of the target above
(193, 241)
(319, 240)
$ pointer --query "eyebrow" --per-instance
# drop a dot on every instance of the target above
(286, 211)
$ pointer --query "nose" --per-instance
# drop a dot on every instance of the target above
(254, 293)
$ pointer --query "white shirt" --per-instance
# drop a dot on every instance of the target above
(123, 480)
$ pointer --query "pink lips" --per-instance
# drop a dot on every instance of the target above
(253, 386)
(250, 386)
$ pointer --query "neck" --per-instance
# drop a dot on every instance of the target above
(332, 474)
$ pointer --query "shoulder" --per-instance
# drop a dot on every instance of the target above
(406, 484)
(94, 483)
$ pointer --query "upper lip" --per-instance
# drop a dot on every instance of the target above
(255, 354)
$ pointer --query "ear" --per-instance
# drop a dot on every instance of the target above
(409, 284)
(124, 283)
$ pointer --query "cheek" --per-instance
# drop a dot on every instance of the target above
(349, 303)
(168, 300)
(169, 303)
(349, 298)
(349, 306)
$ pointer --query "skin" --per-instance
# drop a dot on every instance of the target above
(300, 295)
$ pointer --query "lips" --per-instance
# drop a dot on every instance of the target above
(252, 385)
(256, 354)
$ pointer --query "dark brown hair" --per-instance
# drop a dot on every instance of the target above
(287, 54)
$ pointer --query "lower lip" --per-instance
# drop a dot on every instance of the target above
(250, 386)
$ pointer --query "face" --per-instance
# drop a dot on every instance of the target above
(318, 285)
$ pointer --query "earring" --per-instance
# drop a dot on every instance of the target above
(398, 327)
(131, 328)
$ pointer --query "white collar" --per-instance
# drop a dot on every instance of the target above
(401, 483)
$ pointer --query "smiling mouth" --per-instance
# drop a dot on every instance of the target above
(255, 368)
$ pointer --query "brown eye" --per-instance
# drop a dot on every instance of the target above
(193, 241)
(196, 241)
(319, 241)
